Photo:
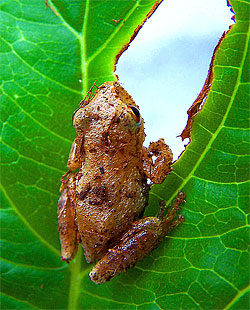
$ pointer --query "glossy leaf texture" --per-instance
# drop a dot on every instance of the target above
(212, 246)
(49, 59)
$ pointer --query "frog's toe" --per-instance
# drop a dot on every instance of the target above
(97, 277)
(66, 259)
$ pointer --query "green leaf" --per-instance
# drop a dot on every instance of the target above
(48, 62)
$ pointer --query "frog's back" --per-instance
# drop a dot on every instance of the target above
(111, 187)
(109, 201)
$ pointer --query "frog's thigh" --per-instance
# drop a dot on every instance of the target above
(135, 244)
(66, 226)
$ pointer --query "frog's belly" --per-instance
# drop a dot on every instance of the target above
(103, 215)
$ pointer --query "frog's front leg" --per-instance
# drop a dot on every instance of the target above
(157, 170)
(142, 238)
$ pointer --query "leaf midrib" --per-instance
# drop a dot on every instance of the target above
(76, 273)
(82, 40)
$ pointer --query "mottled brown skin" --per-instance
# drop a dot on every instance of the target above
(142, 238)
(101, 203)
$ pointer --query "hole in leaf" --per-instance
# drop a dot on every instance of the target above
(166, 65)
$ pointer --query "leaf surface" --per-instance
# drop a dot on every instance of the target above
(49, 59)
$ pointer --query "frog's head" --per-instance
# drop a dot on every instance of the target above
(111, 112)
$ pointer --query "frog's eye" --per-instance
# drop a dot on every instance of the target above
(74, 114)
(136, 114)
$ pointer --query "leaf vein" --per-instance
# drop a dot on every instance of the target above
(237, 297)
(31, 159)
(21, 300)
(105, 43)
(71, 29)
(36, 121)
(32, 266)
(38, 72)
(209, 237)
(23, 219)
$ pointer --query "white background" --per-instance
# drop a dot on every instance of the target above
(166, 65)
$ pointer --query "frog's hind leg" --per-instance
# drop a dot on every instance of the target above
(66, 225)
(135, 244)
(142, 238)
(68, 232)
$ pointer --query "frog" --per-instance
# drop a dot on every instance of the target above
(105, 191)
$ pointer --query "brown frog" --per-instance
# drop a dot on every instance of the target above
(105, 191)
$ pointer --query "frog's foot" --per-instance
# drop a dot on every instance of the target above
(157, 170)
(169, 220)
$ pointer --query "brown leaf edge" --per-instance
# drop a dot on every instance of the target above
(202, 97)
(137, 29)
